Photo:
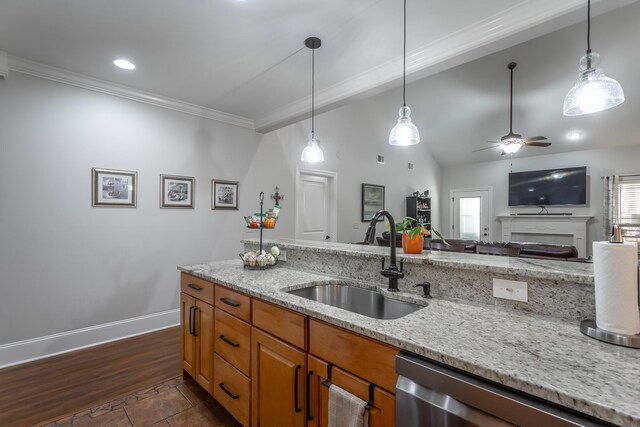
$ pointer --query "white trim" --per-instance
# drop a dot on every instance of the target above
(333, 199)
(432, 56)
(59, 75)
(51, 345)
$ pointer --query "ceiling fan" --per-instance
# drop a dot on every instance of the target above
(512, 142)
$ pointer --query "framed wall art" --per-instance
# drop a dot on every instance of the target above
(224, 194)
(114, 188)
(372, 200)
(177, 191)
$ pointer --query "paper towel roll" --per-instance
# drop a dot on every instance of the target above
(615, 267)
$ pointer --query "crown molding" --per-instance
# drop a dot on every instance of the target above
(24, 66)
(519, 17)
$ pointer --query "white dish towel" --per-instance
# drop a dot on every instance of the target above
(346, 410)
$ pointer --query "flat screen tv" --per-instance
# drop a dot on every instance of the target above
(550, 187)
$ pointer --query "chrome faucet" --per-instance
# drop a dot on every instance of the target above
(392, 271)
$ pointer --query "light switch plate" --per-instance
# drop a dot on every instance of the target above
(511, 290)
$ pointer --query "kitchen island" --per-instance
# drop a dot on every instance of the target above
(545, 356)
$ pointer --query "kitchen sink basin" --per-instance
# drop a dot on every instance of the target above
(358, 300)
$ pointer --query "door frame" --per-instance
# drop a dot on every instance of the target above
(489, 204)
(332, 177)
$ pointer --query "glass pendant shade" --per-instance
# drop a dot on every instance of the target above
(312, 153)
(511, 148)
(593, 90)
(404, 132)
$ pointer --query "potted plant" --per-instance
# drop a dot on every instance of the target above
(413, 235)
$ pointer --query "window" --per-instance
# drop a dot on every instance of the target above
(626, 204)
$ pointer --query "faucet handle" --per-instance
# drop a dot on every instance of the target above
(426, 289)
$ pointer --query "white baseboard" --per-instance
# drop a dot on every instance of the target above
(51, 345)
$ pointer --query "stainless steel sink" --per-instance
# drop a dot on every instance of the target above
(358, 300)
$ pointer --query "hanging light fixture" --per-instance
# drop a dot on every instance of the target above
(593, 90)
(312, 153)
(404, 132)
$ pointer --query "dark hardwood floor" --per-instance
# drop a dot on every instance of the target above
(39, 391)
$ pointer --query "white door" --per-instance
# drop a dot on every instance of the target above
(314, 206)
(471, 215)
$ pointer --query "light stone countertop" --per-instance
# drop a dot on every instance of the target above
(578, 272)
(539, 355)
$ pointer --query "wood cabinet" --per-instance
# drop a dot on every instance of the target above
(278, 376)
(266, 364)
(196, 339)
(381, 413)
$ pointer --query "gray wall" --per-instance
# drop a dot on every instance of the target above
(65, 265)
(495, 175)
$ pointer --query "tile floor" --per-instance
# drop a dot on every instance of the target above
(174, 403)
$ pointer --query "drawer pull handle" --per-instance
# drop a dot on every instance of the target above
(230, 302)
(309, 416)
(295, 389)
(233, 396)
(191, 320)
(195, 324)
(194, 287)
(228, 341)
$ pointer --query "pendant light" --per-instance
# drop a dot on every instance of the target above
(593, 90)
(404, 132)
(312, 153)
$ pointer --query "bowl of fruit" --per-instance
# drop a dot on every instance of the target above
(260, 260)
(268, 221)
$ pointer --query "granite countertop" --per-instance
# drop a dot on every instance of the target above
(539, 355)
(578, 272)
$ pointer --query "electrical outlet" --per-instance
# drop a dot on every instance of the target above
(356, 226)
(511, 290)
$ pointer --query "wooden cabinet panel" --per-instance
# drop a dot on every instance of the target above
(277, 382)
(381, 414)
(187, 339)
(233, 340)
(197, 287)
(281, 322)
(204, 344)
(368, 359)
(233, 302)
(232, 389)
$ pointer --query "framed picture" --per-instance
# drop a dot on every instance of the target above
(114, 188)
(224, 194)
(372, 201)
(177, 191)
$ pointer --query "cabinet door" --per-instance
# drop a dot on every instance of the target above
(277, 382)
(381, 414)
(204, 344)
(187, 339)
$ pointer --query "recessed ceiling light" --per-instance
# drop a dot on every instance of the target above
(575, 135)
(124, 64)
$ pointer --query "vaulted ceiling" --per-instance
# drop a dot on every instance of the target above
(246, 57)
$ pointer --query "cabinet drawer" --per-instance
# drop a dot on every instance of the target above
(234, 303)
(285, 324)
(369, 359)
(233, 340)
(197, 287)
(231, 389)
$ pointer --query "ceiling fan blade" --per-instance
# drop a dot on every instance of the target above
(494, 142)
(486, 148)
(536, 144)
(503, 153)
(536, 138)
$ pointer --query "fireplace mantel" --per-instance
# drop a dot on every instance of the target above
(538, 228)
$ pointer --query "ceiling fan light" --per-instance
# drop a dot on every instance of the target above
(510, 148)
(593, 91)
(312, 153)
(404, 132)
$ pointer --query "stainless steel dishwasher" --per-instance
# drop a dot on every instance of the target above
(431, 394)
